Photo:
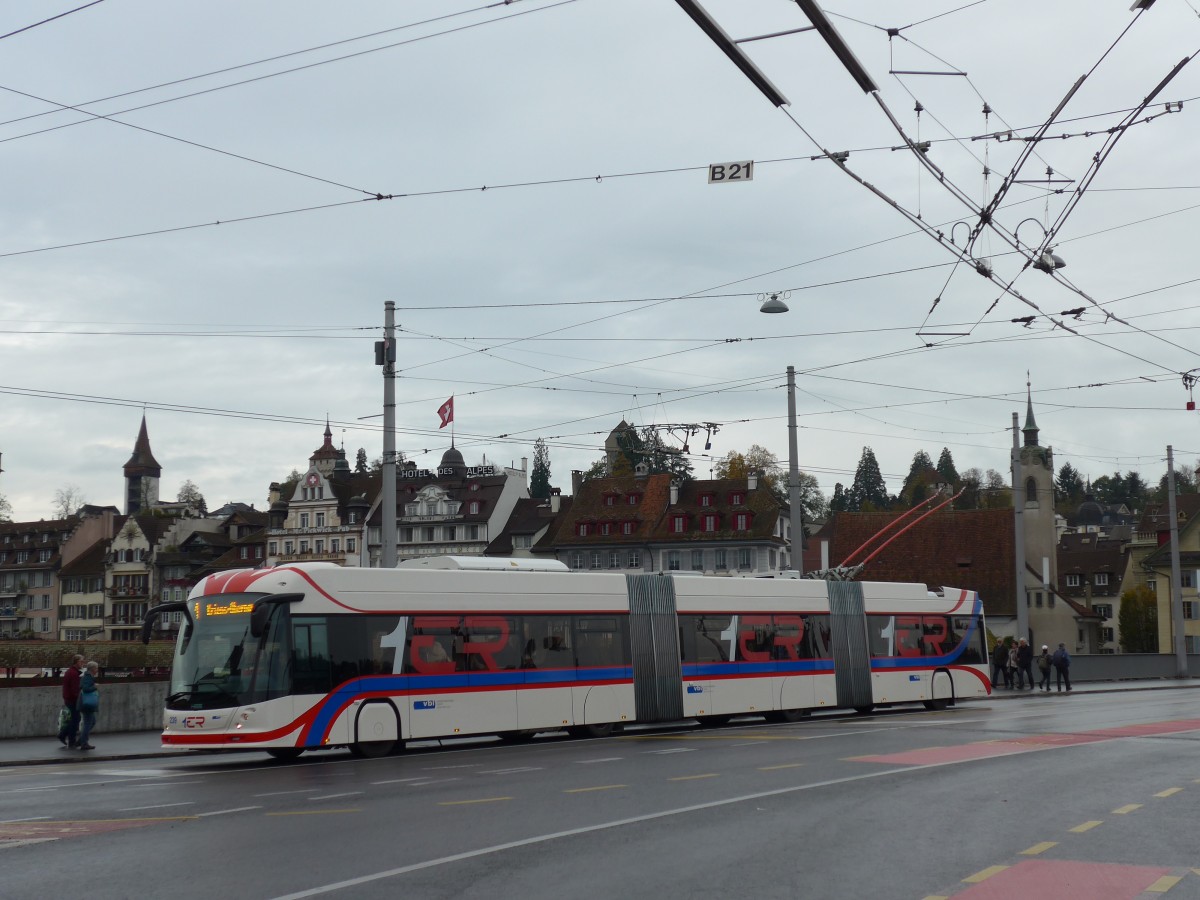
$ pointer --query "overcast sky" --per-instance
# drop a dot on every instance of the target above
(599, 276)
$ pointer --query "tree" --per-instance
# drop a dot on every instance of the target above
(1185, 482)
(539, 479)
(190, 494)
(5, 509)
(869, 492)
(839, 502)
(1138, 620)
(946, 468)
(916, 486)
(996, 494)
(1068, 488)
(972, 485)
(360, 462)
(813, 506)
(67, 500)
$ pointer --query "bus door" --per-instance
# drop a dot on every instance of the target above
(548, 669)
(794, 684)
(752, 688)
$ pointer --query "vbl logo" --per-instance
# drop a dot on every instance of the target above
(424, 704)
(193, 722)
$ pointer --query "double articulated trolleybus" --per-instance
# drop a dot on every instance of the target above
(311, 656)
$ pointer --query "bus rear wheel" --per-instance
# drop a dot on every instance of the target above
(602, 730)
(863, 710)
(714, 721)
(374, 749)
(787, 715)
(285, 754)
(937, 705)
(516, 737)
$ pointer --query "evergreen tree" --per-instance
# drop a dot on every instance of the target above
(869, 492)
(1138, 620)
(839, 502)
(972, 485)
(1068, 488)
(915, 487)
(5, 509)
(1137, 492)
(945, 467)
(539, 479)
(360, 462)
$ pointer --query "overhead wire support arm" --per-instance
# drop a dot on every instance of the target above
(729, 47)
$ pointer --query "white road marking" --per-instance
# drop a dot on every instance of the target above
(589, 829)
(281, 793)
(155, 806)
(162, 784)
(585, 762)
(467, 766)
(221, 812)
(4, 845)
(673, 750)
(331, 796)
(390, 781)
(510, 771)
(749, 744)
(30, 819)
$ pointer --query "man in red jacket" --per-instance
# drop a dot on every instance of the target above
(70, 695)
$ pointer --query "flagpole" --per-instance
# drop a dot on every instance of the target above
(387, 557)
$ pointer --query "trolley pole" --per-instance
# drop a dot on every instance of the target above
(1180, 645)
(387, 557)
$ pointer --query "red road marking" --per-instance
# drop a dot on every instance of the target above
(988, 749)
(15, 831)
(1065, 880)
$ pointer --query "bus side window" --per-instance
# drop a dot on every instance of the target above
(972, 652)
(789, 637)
(551, 637)
(435, 645)
(488, 646)
(820, 636)
(756, 636)
(311, 671)
(937, 640)
(909, 637)
(880, 631)
(705, 632)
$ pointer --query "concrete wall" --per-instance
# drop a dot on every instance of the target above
(33, 711)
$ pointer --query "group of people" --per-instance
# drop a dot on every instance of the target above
(81, 703)
(1013, 663)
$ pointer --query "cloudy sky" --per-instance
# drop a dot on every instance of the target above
(599, 275)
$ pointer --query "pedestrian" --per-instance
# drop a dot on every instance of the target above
(89, 703)
(1025, 663)
(1062, 665)
(1013, 666)
(1043, 662)
(999, 663)
(68, 724)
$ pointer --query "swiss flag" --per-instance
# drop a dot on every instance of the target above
(446, 412)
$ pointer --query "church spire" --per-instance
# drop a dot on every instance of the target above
(1030, 430)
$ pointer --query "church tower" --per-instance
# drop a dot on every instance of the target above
(1035, 491)
(325, 457)
(141, 475)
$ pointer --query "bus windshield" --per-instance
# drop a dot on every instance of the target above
(219, 664)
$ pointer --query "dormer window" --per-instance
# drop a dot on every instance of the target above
(708, 523)
(610, 499)
(706, 499)
(474, 508)
(635, 499)
(737, 498)
(605, 528)
(628, 527)
(741, 522)
(474, 486)
(678, 524)
(581, 529)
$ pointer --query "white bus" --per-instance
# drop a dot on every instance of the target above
(315, 655)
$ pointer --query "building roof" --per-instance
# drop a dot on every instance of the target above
(761, 505)
(1086, 555)
(90, 562)
(590, 504)
(142, 462)
(963, 548)
(529, 516)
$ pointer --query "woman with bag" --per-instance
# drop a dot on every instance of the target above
(89, 703)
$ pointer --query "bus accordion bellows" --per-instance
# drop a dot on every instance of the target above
(315, 655)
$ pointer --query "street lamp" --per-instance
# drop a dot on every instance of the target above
(1046, 261)
(774, 305)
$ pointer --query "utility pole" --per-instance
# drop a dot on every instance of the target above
(1181, 669)
(1018, 498)
(385, 355)
(796, 518)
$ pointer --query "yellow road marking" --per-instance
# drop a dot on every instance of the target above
(602, 787)
(1127, 808)
(936, 897)
(985, 874)
(739, 736)
(313, 812)
(1164, 884)
(471, 802)
(1086, 826)
(1039, 848)
(692, 777)
(781, 766)
(1168, 792)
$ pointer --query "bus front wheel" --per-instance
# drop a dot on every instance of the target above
(374, 749)
(285, 754)
(788, 715)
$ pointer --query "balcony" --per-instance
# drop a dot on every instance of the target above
(125, 619)
(310, 556)
(11, 613)
(130, 591)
